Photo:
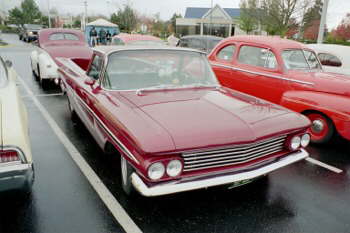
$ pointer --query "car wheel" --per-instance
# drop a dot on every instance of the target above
(126, 171)
(73, 115)
(34, 74)
(44, 83)
(322, 128)
(38, 77)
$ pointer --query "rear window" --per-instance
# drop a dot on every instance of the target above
(63, 36)
(329, 60)
(117, 41)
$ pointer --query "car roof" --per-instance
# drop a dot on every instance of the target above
(269, 41)
(202, 37)
(105, 49)
(130, 37)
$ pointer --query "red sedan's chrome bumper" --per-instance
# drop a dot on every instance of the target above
(178, 186)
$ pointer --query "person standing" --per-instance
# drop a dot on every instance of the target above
(109, 37)
(93, 37)
(102, 36)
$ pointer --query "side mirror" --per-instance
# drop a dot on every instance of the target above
(90, 81)
(8, 63)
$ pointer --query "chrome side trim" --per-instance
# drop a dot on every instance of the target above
(116, 140)
(263, 74)
(182, 186)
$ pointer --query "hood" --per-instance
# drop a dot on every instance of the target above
(209, 117)
(68, 51)
(327, 82)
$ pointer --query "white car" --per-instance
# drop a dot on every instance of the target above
(16, 164)
(57, 42)
(334, 58)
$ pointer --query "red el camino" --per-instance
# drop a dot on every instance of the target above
(175, 128)
(288, 73)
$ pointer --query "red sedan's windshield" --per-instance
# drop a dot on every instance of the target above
(128, 70)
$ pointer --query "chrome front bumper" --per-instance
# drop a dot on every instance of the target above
(16, 176)
(181, 186)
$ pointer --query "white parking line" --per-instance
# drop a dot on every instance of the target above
(106, 196)
(324, 165)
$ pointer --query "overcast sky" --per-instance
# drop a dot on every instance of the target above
(336, 11)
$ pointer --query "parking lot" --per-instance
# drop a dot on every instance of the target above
(77, 188)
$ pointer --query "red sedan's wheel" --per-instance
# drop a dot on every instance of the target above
(322, 128)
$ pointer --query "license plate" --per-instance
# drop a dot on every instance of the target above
(240, 183)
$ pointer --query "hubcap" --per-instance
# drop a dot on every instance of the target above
(317, 126)
(124, 170)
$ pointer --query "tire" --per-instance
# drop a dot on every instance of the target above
(34, 74)
(37, 77)
(126, 171)
(73, 115)
(322, 128)
(44, 83)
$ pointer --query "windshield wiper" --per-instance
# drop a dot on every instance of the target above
(157, 87)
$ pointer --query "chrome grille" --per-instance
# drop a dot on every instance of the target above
(231, 156)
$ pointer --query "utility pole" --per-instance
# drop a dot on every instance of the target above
(323, 22)
(48, 10)
(85, 14)
(211, 18)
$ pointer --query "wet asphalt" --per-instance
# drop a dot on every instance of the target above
(300, 198)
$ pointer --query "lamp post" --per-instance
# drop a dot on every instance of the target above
(323, 22)
(48, 10)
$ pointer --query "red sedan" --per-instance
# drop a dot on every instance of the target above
(174, 127)
(288, 73)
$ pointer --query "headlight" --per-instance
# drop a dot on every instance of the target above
(174, 168)
(30, 33)
(156, 171)
(295, 143)
(305, 140)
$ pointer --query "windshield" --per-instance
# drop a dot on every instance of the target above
(146, 42)
(297, 59)
(63, 36)
(213, 43)
(139, 69)
(33, 26)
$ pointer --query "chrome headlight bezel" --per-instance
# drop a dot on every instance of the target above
(305, 140)
(294, 143)
(156, 171)
(174, 168)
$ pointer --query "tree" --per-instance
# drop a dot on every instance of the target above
(172, 23)
(28, 13)
(275, 15)
(310, 19)
(311, 32)
(342, 32)
(249, 18)
(126, 19)
(16, 16)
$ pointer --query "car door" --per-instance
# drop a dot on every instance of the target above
(84, 91)
(256, 71)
